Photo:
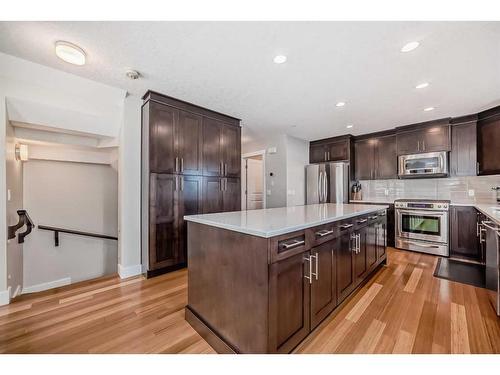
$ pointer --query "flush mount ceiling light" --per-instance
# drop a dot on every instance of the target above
(280, 59)
(422, 85)
(70, 53)
(349, 126)
(340, 104)
(410, 46)
(429, 109)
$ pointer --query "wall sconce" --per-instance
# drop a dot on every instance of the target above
(21, 152)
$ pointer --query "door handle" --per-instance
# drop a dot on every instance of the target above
(182, 183)
(320, 187)
(293, 244)
(175, 183)
(477, 228)
(353, 239)
(346, 226)
(308, 259)
(329, 155)
(224, 169)
(220, 168)
(182, 164)
(325, 156)
(325, 188)
(358, 243)
(423, 245)
(487, 225)
(316, 273)
(423, 145)
(177, 164)
(362, 221)
(373, 217)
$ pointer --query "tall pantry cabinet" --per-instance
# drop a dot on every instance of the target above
(191, 164)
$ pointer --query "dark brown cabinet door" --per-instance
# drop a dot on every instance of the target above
(381, 237)
(212, 147)
(464, 233)
(324, 283)
(386, 159)
(408, 142)
(189, 143)
(371, 246)
(231, 195)
(317, 153)
(463, 158)
(162, 153)
(163, 223)
(212, 195)
(436, 138)
(190, 201)
(345, 265)
(364, 159)
(337, 150)
(488, 134)
(231, 151)
(289, 310)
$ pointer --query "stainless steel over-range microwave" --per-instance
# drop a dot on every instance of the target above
(430, 164)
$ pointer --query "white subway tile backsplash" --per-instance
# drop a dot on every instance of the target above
(455, 189)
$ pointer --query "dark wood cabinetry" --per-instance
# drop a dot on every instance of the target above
(464, 233)
(289, 302)
(488, 141)
(265, 295)
(375, 158)
(324, 287)
(425, 137)
(331, 149)
(190, 165)
(463, 156)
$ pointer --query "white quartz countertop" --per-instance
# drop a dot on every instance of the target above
(270, 222)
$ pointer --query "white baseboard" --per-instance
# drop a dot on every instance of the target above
(5, 297)
(47, 285)
(129, 271)
(17, 292)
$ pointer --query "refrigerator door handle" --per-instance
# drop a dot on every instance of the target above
(320, 187)
(325, 188)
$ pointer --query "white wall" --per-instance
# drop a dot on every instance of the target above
(76, 196)
(287, 165)
(129, 186)
(14, 174)
(297, 157)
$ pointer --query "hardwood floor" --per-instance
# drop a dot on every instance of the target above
(402, 309)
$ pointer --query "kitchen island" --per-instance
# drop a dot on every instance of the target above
(260, 281)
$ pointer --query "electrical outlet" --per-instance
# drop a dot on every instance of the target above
(471, 192)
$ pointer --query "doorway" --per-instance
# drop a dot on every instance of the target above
(253, 195)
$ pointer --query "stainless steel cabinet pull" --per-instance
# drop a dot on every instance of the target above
(418, 145)
(373, 217)
(358, 237)
(176, 164)
(316, 258)
(225, 169)
(346, 226)
(362, 221)
(382, 213)
(477, 228)
(220, 185)
(423, 145)
(308, 259)
(220, 168)
(325, 156)
(328, 155)
(353, 238)
(182, 164)
(487, 225)
(182, 183)
(225, 184)
(323, 233)
(175, 183)
(293, 244)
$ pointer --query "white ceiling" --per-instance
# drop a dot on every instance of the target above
(228, 67)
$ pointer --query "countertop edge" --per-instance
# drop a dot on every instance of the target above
(279, 232)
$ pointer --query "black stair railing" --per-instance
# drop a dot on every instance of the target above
(57, 230)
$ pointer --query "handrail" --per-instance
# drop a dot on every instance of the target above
(24, 218)
(56, 231)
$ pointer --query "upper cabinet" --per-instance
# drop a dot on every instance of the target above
(221, 149)
(332, 149)
(463, 156)
(375, 158)
(426, 137)
(488, 141)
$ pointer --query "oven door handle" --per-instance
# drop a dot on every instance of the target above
(422, 213)
(423, 245)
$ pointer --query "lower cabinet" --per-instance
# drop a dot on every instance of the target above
(323, 281)
(289, 309)
(464, 233)
(346, 278)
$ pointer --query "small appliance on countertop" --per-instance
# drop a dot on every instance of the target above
(422, 225)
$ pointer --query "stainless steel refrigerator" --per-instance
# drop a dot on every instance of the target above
(327, 183)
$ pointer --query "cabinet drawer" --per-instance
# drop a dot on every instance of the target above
(361, 221)
(323, 233)
(287, 245)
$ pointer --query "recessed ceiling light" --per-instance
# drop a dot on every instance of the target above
(70, 53)
(349, 126)
(422, 85)
(280, 59)
(340, 104)
(429, 109)
(410, 46)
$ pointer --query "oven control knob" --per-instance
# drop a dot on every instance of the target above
(445, 206)
(439, 206)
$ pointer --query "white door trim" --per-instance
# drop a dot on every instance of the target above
(264, 189)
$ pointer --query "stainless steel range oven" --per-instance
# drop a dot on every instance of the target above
(422, 225)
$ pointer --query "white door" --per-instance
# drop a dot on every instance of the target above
(254, 184)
